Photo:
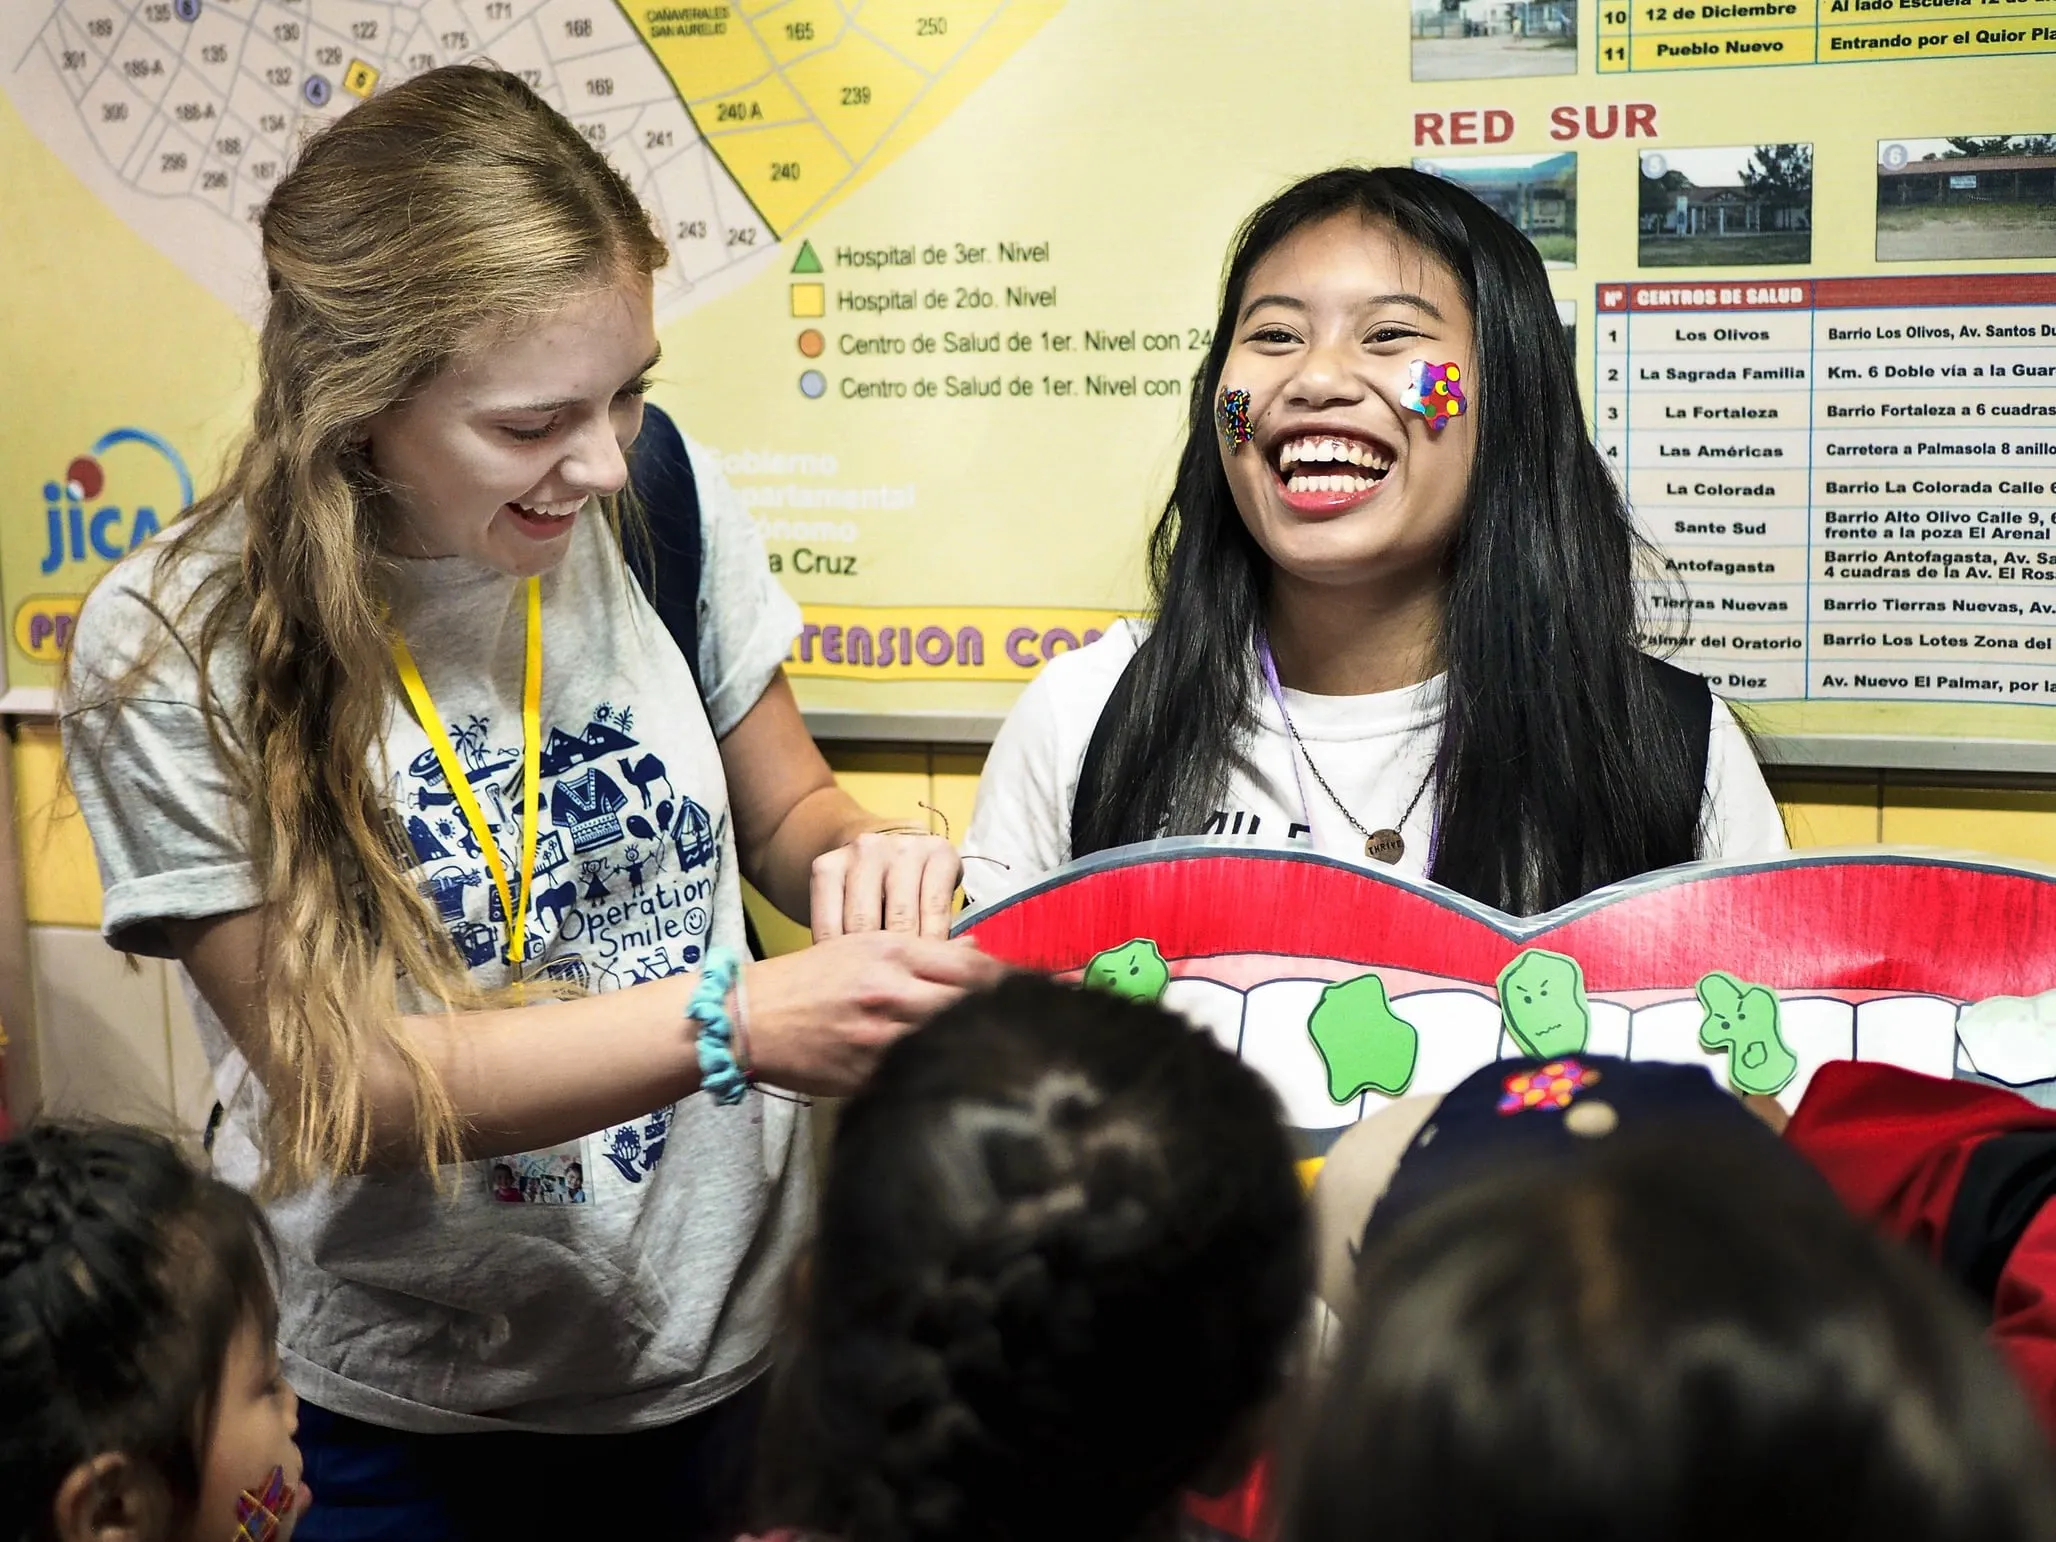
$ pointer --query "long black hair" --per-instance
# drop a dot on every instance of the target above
(1060, 1255)
(125, 1273)
(1559, 769)
(1686, 1341)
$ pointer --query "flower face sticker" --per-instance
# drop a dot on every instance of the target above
(1433, 391)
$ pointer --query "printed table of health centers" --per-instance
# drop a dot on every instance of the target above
(1721, 34)
(1852, 482)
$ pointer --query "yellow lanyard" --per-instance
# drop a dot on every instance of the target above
(531, 757)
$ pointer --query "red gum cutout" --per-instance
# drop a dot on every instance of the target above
(1890, 922)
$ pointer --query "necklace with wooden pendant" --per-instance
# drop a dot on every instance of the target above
(1386, 846)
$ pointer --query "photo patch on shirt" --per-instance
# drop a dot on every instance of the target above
(554, 1176)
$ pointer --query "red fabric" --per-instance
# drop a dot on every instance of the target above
(2024, 1313)
(1244, 1511)
(1894, 1143)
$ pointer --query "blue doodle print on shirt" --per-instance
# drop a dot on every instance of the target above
(637, 1146)
(624, 862)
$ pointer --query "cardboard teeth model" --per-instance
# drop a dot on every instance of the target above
(1349, 987)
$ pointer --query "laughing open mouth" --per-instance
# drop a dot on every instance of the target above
(1323, 472)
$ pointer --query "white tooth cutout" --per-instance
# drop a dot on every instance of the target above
(1208, 1005)
(1669, 1031)
(1277, 1045)
(1609, 1035)
(1459, 1032)
(2010, 1039)
(1816, 1029)
(1917, 1032)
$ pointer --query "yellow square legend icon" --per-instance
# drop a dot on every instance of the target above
(810, 299)
(360, 79)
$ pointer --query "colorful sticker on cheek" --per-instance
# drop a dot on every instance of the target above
(1433, 391)
(1231, 411)
(259, 1515)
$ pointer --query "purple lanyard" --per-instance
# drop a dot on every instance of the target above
(1306, 813)
(1263, 653)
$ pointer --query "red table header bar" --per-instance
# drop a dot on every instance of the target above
(1829, 293)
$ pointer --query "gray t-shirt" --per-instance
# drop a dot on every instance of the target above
(622, 1280)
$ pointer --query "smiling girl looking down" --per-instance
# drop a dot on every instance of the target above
(384, 744)
(1395, 610)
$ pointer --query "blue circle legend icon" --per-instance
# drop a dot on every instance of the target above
(186, 10)
(317, 90)
(813, 384)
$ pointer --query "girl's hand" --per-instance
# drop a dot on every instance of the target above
(891, 881)
(816, 1021)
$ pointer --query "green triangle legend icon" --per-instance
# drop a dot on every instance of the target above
(806, 262)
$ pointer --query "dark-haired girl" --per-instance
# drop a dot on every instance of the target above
(140, 1393)
(1061, 1253)
(1395, 607)
(1689, 1341)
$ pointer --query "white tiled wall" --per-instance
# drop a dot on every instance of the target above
(116, 1038)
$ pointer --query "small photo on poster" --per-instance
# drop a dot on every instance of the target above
(1539, 193)
(1974, 195)
(1736, 206)
(1487, 39)
(555, 1176)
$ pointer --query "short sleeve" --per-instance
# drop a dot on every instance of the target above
(1741, 818)
(156, 796)
(1021, 827)
(747, 622)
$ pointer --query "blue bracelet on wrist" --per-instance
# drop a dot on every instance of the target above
(722, 1076)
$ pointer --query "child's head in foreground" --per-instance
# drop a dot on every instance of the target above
(140, 1397)
(1061, 1253)
(1662, 1342)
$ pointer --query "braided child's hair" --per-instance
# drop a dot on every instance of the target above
(124, 1275)
(1061, 1254)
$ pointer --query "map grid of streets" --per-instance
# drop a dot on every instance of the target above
(183, 114)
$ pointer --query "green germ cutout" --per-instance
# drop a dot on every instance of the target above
(1743, 1020)
(1542, 1002)
(1134, 969)
(1366, 1046)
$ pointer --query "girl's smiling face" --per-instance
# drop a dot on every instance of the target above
(255, 1418)
(1342, 484)
(495, 457)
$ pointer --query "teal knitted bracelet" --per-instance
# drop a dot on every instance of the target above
(722, 1076)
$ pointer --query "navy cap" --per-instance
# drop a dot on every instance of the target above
(1519, 1113)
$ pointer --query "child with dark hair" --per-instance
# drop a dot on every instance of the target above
(1061, 1254)
(140, 1395)
(1644, 1337)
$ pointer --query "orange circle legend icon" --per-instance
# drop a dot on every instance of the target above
(812, 342)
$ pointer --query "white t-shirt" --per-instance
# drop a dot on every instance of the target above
(617, 1281)
(1375, 751)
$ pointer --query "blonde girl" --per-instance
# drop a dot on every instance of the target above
(386, 748)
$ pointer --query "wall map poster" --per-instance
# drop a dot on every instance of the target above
(942, 271)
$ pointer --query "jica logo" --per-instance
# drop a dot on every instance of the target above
(85, 521)
(79, 526)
